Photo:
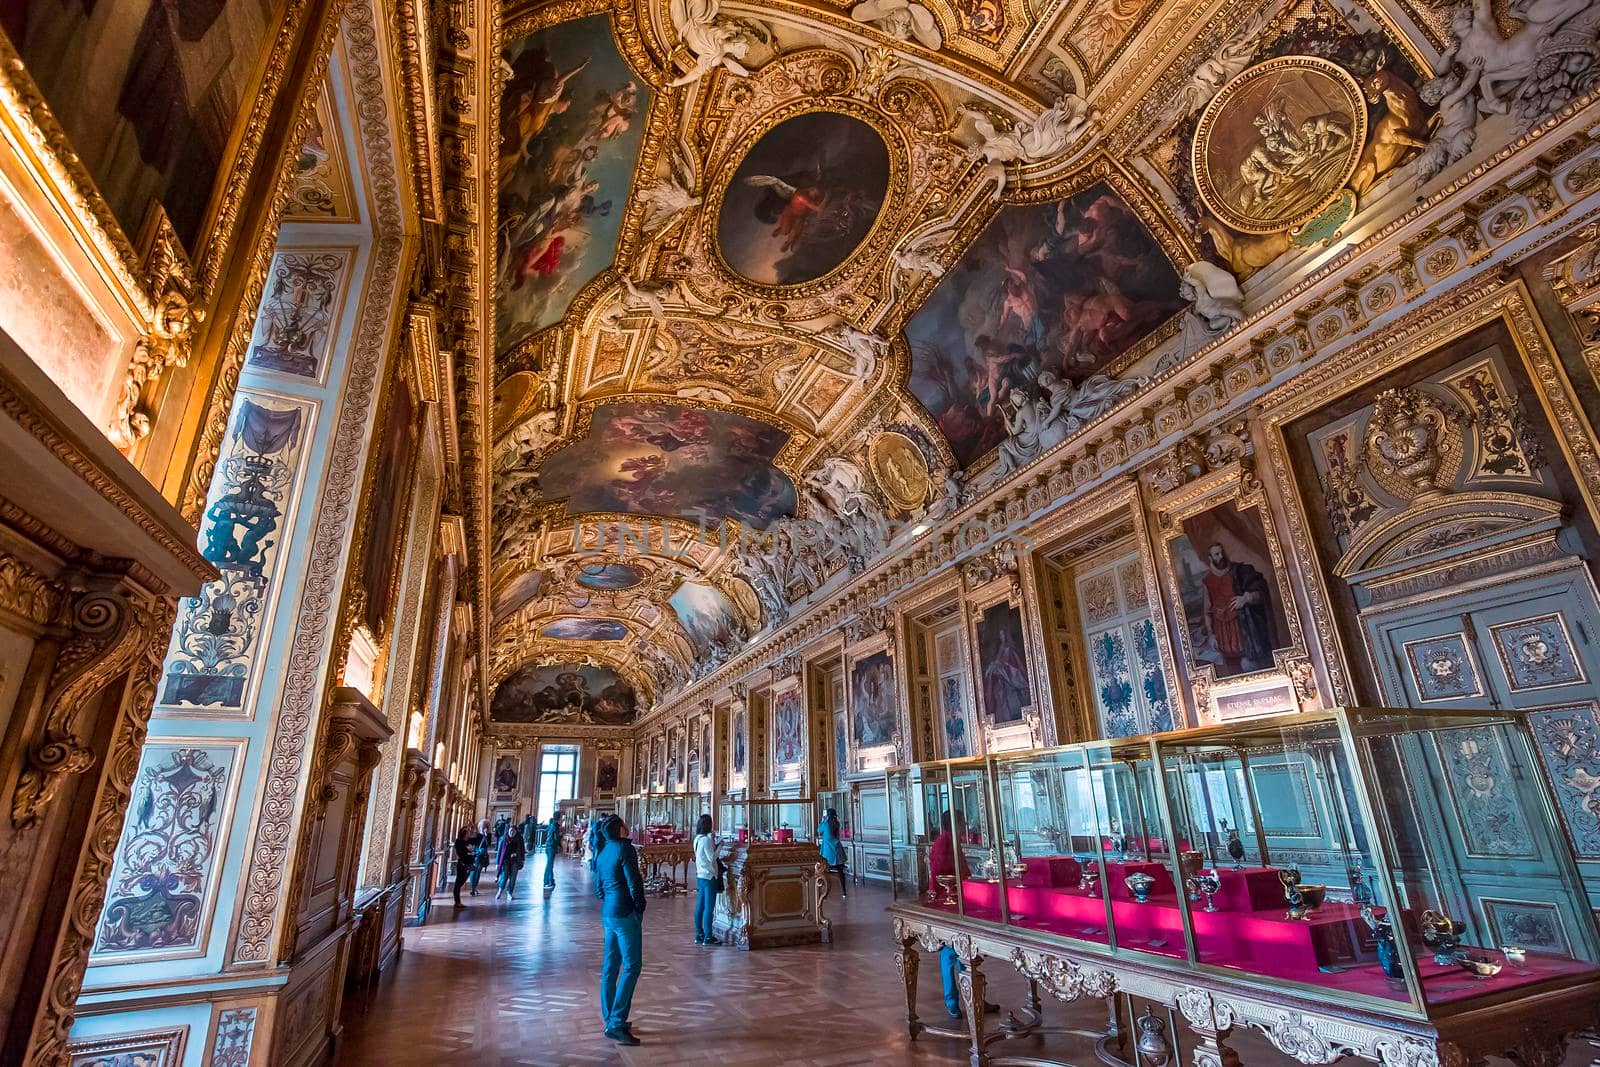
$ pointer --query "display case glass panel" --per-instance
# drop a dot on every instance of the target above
(838, 801)
(1051, 829)
(663, 817)
(767, 821)
(1385, 859)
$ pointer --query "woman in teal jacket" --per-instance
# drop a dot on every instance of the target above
(831, 847)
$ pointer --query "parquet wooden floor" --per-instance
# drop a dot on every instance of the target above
(513, 984)
(507, 985)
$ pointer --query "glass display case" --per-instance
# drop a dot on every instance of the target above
(659, 817)
(1391, 859)
(778, 821)
(838, 801)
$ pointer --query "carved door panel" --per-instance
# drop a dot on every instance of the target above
(1527, 645)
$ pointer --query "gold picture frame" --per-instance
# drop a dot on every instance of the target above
(1262, 672)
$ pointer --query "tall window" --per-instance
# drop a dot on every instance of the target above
(558, 777)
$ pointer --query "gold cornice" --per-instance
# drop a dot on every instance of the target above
(41, 420)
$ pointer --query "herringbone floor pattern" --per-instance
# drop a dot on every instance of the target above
(514, 984)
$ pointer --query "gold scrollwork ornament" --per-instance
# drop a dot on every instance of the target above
(108, 631)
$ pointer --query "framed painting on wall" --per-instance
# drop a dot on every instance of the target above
(152, 99)
(1007, 691)
(507, 773)
(738, 746)
(606, 772)
(873, 709)
(788, 735)
(1224, 572)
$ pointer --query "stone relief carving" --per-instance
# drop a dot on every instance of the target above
(904, 20)
(712, 40)
(1217, 299)
(1056, 129)
(1552, 58)
(1042, 419)
(672, 196)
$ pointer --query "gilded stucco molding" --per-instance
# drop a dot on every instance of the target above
(152, 624)
(214, 423)
(271, 849)
(36, 418)
(1282, 342)
(27, 594)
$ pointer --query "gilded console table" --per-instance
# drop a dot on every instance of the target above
(663, 861)
(773, 895)
(1531, 1029)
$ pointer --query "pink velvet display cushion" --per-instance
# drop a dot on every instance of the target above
(1045, 872)
(1252, 889)
(1332, 947)
(1117, 872)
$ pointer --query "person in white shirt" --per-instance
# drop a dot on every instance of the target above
(705, 873)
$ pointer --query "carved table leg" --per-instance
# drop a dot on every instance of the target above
(1211, 1050)
(906, 962)
(973, 997)
(1113, 1038)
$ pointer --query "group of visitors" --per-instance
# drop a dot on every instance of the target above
(619, 884)
(510, 845)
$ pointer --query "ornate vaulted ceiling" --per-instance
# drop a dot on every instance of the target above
(777, 261)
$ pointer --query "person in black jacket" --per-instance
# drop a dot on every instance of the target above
(620, 887)
(509, 861)
(466, 849)
(552, 849)
(482, 844)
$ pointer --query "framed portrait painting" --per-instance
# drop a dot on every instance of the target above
(872, 702)
(1229, 590)
(788, 735)
(1005, 685)
(1225, 577)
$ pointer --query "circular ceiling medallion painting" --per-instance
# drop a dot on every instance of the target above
(1278, 144)
(899, 469)
(585, 630)
(610, 576)
(803, 199)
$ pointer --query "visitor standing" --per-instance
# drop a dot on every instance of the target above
(530, 833)
(620, 887)
(832, 848)
(552, 848)
(466, 849)
(947, 860)
(705, 875)
(509, 860)
(480, 855)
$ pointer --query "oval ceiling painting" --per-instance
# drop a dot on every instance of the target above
(586, 630)
(803, 199)
(610, 576)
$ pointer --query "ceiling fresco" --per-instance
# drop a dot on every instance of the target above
(803, 199)
(1062, 288)
(564, 693)
(570, 129)
(811, 269)
(647, 459)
